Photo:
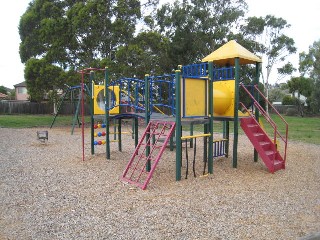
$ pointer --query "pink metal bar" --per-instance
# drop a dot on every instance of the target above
(156, 151)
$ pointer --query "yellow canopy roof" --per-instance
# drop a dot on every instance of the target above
(228, 52)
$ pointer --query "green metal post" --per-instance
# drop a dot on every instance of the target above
(119, 135)
(133, 125)
(227, 136)
(92, 113)
(256, 96)
(210, 155)
(75, 118)
(171, 142)
(59, 106)
(191, 133)
(106, 95)
(147, 98)
(236, 117)
(136, 131)
(114, 129)
(205, 143)
(178, 125)
(147, 117)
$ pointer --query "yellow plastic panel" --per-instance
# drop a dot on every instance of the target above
(98, 99)
(223, 98)
(195, 97)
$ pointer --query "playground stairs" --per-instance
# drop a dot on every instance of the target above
(148, 152)
(266, 149)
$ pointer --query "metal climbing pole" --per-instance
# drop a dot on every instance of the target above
(106, 97)
(210, 155)
(147, 116)
(236, 117)
(91, 113)
(256, 96)
(178, 125)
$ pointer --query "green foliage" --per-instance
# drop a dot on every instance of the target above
(76, 33)
(196, 28)
(286, 70)
(148, 53)
(314, 99)
(41, 77)
(275, 45)
(3, 90)
(276, 95)
(302, 85)
(284, 86)
(288, 100)
(309, 65)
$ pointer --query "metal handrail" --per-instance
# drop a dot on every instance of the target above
(284, 139)
(253, 117)
(269, 119)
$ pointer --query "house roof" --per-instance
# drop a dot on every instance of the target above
(227, 53)
(22, 84)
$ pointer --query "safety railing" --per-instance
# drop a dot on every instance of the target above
(267, 117)
(195, 70)
(220, 74)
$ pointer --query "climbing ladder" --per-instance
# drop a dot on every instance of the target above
(265, 145)
(147, 154)
(262, 143)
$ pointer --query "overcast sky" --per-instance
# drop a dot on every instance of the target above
(302, 15)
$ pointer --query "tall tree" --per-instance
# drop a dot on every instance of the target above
(41, 77)
(301, 86)
(309, 65)
(146, 54)
(268, 39)
(73, 34)
(3, 90)
(197, 27)
(76, 33)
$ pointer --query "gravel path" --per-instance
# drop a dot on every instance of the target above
(48, 192)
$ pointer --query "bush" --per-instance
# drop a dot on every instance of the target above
(291, 112)
(288, 100)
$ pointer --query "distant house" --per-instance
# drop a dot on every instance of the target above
(21, 91)
(302, 98)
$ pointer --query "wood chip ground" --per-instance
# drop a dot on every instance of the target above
(48, 192)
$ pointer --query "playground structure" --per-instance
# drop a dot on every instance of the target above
(74, 93)
(197, 94)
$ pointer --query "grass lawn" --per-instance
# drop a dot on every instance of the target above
(26, 121)
(306, 129)
(302, 129)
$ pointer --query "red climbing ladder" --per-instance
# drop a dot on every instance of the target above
(136, 171)
(262, 143)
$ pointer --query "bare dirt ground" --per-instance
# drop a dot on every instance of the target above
(48, 192)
